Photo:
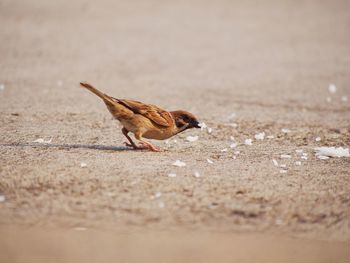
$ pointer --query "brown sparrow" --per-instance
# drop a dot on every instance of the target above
(145, 120)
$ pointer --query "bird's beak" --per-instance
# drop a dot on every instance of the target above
(195, 124)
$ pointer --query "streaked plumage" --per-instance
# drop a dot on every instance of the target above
(145, 120)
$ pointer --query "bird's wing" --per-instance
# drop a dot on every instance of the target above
(152, 112)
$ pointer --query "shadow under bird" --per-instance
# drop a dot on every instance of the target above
(145, 120)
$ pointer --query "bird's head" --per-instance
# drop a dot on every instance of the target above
(184, 120)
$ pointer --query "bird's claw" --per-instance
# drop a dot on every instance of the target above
(135, 147)
(142, 146)
(150, 147)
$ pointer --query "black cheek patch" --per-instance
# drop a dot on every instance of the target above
(179, 124)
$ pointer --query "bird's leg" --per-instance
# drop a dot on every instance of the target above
(146, 144)
(131, 143)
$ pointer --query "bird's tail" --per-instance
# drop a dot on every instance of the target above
(105, 97)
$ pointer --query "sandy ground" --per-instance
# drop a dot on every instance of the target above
(269, 62)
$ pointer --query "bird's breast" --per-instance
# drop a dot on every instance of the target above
(159, 134)
(147, 128)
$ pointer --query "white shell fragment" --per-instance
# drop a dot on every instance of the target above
(191, 138)
(179, 163)
(299, 151)
(248, 142)
(285, 130)
(332, 88)
(82, 165)
(41, 140)
(318, 139)
(298, 163)
(233, 145)
(270, 137)
(172, 175)
(260, 136)
(197, 174)
(332, 151)
(233, 125)
(275, 163)
(285, 156)
(157, 194)
(203, 126)
(322, 157)
(224, 150)
(283, 171)
(210, 161)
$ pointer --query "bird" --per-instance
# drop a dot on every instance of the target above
(145, 121)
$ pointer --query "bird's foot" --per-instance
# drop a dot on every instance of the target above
(143, 146)
(149, 146)
(134, 146)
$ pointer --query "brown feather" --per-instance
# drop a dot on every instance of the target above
(145, 120)
(152, 112)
